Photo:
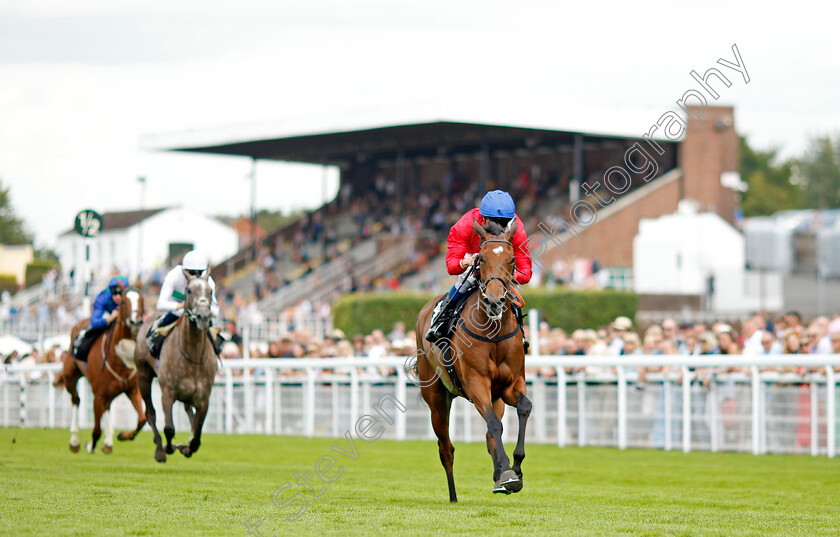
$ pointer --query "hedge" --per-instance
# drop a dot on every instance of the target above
(36, 270)
(564, 308)
(8, 282)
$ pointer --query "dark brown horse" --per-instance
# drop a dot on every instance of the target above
(106, 373)
(488, 358)
(186, 370)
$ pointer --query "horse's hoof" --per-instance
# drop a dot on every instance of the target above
(76, 448)
(498, 488)
(107, 449)
(508, 476)
(122, 437)
(185, 451)
(170, 449)
(89, 447)
(160, 456)
(516, 486)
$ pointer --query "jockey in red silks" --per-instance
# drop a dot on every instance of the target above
(462, 248)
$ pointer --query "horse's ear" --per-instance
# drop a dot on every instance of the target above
(139, 283)
(511, 227)
(480, 230)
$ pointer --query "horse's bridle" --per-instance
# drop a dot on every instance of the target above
(482, 286)
(126, 322)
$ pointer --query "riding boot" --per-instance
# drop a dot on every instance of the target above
(77, 343)
(438, 320)
(154, 340)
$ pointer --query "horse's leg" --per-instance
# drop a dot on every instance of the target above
(523, 410)
(168, 400)
(480, 391)
(440, 403)
(137, 401)
(198, 424)
(144, 382)
(71, 382)
(499, 409)
(98, 409)
(191, 415)
(108, 441)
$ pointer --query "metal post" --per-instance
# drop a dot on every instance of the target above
(336, 408)
(22, 380)
(466, 425)
(622, 407)
(269, 400)
(246, 381)
(561, 407)
(228, 401)
(402, 380)
(686, 411)
(830, 399)
(539, 414)
(534, 329)
(354, 396)
(253, 178)
(309, 411)
(815, 416)
(714, 436)
(581, 409)
(50, 400)
(756, 402)
(577, 169)
(666, 395)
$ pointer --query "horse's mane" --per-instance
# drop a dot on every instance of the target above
(493, 228)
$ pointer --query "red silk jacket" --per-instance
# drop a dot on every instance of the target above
(463, 240)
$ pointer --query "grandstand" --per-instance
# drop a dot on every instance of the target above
(402, 186)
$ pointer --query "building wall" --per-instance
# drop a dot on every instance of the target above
(704, 155)
(610, 238)
(149, 241)
(13, 260)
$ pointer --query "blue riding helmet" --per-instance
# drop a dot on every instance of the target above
(497, 204)
(116, 281)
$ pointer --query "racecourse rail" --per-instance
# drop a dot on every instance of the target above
(756, 411)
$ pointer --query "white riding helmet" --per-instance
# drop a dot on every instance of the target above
(194, 261)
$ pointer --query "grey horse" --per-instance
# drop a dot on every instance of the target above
(185, 370)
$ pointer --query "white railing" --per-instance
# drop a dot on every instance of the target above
(755, 411)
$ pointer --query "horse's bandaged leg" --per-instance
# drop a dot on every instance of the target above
(109, 429)
(74, 427)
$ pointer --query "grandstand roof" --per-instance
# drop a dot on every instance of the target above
(426, 139)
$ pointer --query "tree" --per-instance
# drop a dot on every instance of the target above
(819, 172)
(769, 182)
(12, 229)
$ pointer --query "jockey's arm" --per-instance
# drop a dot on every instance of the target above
(99, 314)
(457, 245)
(522, 253)
(171, 299)
(214, 303)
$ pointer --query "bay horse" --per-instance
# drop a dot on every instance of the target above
(106, 373)
(185, 371)
(486, 355)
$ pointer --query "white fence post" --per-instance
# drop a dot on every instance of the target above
(666, 395)
(269, 400)
(581, 386)
(756, 409)
(229, 401)
(830, 411)
(686, 411)
(622, 407)
(815, 416)
(561, 407)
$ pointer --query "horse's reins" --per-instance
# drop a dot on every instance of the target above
(192, 317)
(105, 364)
(482, 287)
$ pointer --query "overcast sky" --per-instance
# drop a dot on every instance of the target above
(82, 82)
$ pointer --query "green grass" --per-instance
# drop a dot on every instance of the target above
(399, 488)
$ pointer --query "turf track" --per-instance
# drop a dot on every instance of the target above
(399, 488)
